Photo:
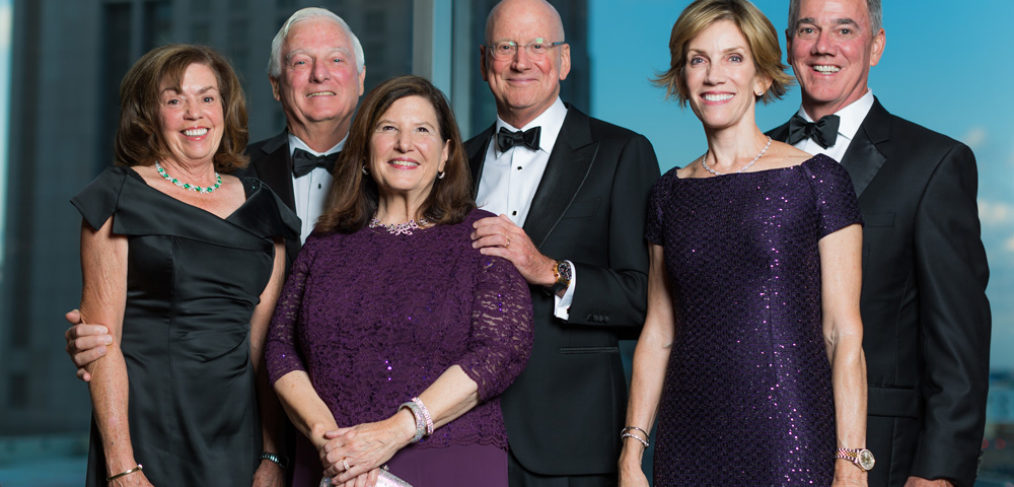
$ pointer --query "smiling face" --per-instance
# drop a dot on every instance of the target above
(191, 116)
(722, 81)
(831, 52)
(407, 150)
(524, 85)
(318, 82)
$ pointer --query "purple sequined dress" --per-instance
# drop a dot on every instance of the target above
(374, 318)
(747, 395)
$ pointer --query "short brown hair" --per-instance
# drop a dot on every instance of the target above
(756, 28)
(139, 139)
(354, 195)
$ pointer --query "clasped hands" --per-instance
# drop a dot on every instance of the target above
(352, 456)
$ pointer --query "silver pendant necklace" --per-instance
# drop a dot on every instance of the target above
(704, 161)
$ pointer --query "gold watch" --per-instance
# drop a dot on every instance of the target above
(861, 457)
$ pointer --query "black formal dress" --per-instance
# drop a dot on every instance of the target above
(926, 319)
(193, 280)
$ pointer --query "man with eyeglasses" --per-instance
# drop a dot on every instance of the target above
(571, 193)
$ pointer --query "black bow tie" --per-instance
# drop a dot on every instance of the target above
(303, 162)
(824, 132)
(505, 139)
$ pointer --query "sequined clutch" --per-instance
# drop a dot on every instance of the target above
(385, 479)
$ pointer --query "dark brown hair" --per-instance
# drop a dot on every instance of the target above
(354, 195)
(756, 28)
(139, 139)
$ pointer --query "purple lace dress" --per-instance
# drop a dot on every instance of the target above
(374, 318)
(747, 395)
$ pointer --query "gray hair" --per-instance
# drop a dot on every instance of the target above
(275, 61)
(873, 8)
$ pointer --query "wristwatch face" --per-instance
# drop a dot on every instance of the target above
(865, 459)
(565, 272)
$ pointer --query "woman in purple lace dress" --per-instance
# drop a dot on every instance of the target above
(393, 337)
(751, 352)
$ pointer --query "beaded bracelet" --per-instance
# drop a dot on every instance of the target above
(272, 457)
(124, 473)
(426, 415)
(638, 438)
(417, 415)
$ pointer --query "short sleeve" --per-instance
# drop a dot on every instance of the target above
(265, 213)
(98, 201)
(835, 197)
(653, 222)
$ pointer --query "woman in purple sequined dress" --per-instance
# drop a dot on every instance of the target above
(751, 352)
(393, 337)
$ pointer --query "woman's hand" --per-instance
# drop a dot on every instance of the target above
(269, 474)
(633, 478)
(848, 475)
(368, 479)
(631, 474)
(136, 479)
(364, 447)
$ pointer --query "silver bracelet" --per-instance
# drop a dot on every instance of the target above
(417, 415)
(638, 428)
(638, 438)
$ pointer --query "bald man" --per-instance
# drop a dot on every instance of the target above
(572, 193)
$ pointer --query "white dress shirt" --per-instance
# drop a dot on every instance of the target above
(509, 179)
(850, 118)
(309, 191)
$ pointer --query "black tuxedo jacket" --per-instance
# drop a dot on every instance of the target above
(564, 412)
(926, 320)
(270, 162)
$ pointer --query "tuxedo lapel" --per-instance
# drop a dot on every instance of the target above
(274, 166)
(476, 148)
(568, 166)
(863, 158)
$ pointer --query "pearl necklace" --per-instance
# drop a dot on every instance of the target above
(400, 228)
(191, 187)
(704, 161)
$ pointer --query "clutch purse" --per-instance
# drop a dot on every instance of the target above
(385, 479)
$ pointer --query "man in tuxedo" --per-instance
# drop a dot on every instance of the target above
(571, 194)
(924, 308)
(317, 71)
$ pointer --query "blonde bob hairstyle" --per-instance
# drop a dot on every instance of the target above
(139, 139)
(756, 28)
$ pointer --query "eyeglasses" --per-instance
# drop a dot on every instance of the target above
(539, 48)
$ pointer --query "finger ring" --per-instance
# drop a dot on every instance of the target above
(345, 463)
(508, 239)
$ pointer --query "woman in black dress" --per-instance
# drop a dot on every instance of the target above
(183, 263)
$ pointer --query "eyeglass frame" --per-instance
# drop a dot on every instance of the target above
(527, 47)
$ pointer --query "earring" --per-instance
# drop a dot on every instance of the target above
(441, 174)
(365, 172)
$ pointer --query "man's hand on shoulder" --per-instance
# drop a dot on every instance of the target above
(85, 343)
(499, 236)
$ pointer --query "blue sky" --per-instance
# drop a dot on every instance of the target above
(943, 67)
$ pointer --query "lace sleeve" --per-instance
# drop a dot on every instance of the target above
(500, 340)
(280, 350)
